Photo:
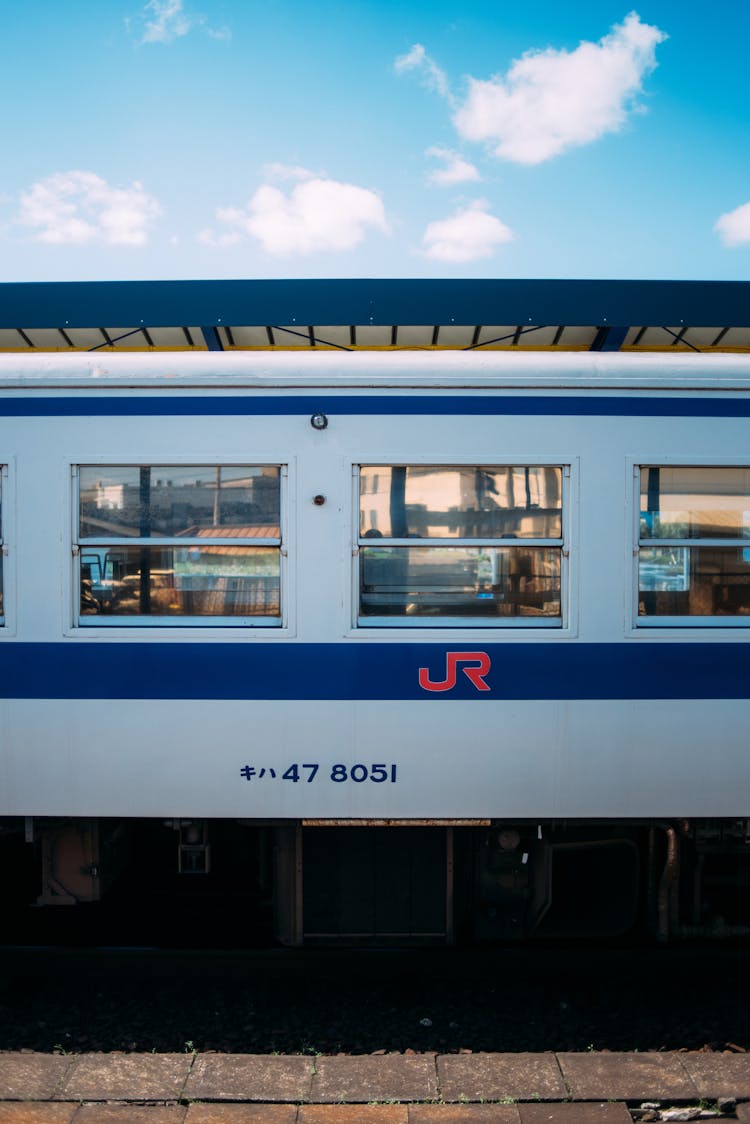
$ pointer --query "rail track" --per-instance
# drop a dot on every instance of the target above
(314, 1002)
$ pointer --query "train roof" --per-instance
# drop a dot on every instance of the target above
(502, 315)
(382, 372)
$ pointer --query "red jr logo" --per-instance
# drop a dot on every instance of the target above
(479, 666)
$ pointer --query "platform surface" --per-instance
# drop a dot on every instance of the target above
(547, 1088)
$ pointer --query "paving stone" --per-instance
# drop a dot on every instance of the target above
(719, 1075)
(249, 1077)
(743, 1113)
(126, 1077)
(463, 1114)
(626, 1077)
(604, 1113)
(241, 1114)
(30, 1077)
(353, 1114)
(130, 1114)
(28, 1112)
(383, 1078)
(492, 1077)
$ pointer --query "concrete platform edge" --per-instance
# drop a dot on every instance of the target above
(428, 1079)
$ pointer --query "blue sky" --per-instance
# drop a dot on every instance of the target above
(271, 138)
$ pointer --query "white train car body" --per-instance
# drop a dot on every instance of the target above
(581, 655)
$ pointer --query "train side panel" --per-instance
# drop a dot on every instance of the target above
(595, 717)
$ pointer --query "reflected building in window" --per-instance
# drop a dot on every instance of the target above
(461, 542)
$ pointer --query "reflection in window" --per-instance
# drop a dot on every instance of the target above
(148, 501)
(2, 555)
(487, 543)
(180, 542)
(447, 502)
(694, 545)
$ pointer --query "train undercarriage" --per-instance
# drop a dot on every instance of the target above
(233, 883)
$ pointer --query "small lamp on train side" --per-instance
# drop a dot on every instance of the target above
(319, 421)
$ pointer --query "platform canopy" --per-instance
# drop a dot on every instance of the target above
(561, 315)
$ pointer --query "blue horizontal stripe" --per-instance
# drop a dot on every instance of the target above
(412, 404)
(358, 670)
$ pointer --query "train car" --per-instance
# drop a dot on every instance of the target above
(403, 642)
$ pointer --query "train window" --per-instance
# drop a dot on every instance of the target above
(2, 550)
(444, 544)
(179, 544)
(694, 545)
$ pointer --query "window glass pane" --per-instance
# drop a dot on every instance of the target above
(146, 501)
(694, 503)
(212, 581)
(460, 581)
(451, 502)
(694, 581)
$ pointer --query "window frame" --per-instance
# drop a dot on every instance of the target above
(550, 625)
(682, 622)
(89, 624)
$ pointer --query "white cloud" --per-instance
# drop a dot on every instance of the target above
(289, 172)
(317, 215)
(456, 170)
(209, 237)
(166, 20)
(223, 34)
(734, 227)
(74, 208)
(432, 75)
(469, 234)
(552, 100)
